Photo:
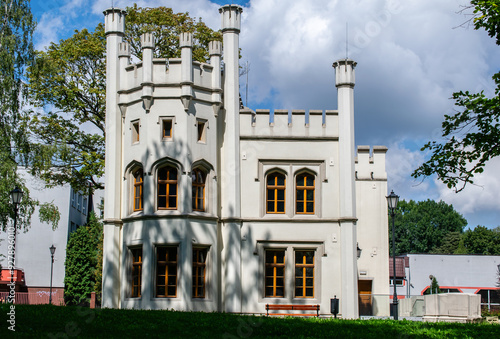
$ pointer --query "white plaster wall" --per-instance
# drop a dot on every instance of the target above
(169, 231)
(257, 236)
(32, 247)
(467, 272)
(260, 156)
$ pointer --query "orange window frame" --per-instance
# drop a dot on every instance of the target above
(303, 188)
(272, 277)
(304, 274)
(198, 192)
(167, 184)
(166, 127)
(275, 188)
(136, 272)
(138, 187)
(199, 272)
(166, 271)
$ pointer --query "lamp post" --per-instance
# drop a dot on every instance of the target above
(52, 251)
(392, 202)
(16, 195)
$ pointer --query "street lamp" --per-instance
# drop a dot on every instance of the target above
(16, 195)
(52, 251)
(392, 202)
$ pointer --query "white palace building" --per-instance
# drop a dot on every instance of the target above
(211, 206)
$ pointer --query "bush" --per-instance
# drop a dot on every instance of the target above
(81, 262)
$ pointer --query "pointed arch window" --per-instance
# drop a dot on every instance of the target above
(275, 193)
(138, 189)
(167, 188)
(198, 179)
(304, 198)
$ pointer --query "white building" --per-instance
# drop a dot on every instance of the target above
(457, 273)
(33, 257)
(213, 207)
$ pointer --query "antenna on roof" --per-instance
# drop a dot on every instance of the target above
(346, 39)
(246, 85)
(112, 4)
(346, 44)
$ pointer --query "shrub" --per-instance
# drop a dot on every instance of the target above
(81, 262)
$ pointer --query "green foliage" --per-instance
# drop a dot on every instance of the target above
(49, 213)
(70, 78)
(434, 288)
(482, 240)
(46, 320)
(167, 26)
(472, 135)
(98, 270)
(67, 82)
(81, 262)
(451, 244)
(422, 227)
(487, 16)
(16, 52)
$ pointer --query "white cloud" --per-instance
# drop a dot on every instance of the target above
(47, 31)
(400, 163)
(484, 195)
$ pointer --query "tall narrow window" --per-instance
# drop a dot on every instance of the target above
(166, 127)
(199, 269)
(166, 271)
(198, 177)
(138, 185)
(135, 132)
(275, 273)
(136, 271)
(85, 205)
(305, 194)
(202, 133)
(304, 274)
(275, 195)
(167, 188)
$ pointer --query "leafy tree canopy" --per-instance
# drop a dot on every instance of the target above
(16, 52)
(482, 240)
(472, 135)
(422, 226)
(67, 82)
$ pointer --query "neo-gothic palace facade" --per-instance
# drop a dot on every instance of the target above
(213, 207)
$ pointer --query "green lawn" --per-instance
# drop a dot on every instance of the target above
(69, 322)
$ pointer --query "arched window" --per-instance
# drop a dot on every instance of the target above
(167, 188)
(304, 199)
(198, 177)
(138, 185)
(275, 193)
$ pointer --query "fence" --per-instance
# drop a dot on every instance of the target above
(36, 298)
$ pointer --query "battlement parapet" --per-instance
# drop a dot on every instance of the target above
(147, 40)
(283, 123)
(370, 166)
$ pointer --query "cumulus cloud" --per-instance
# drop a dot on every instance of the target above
(400, 163)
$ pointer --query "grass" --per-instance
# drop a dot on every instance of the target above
(41, 321)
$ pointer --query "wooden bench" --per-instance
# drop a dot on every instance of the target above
(279, 307)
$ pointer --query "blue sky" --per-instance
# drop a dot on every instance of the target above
(412, 55)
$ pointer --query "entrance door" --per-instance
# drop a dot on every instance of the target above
(365, 297)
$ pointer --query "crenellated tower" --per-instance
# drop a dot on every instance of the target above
(345, 81)
(114, 28)
(230, 160)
